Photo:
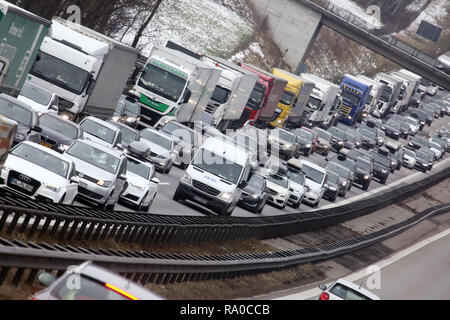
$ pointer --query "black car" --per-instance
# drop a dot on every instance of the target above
(392, 129)
(353, 139)
(305, 140)
(128, 134)
(254, 195)
(27, 119)
(396, 154)
(363, 175)
(381, 166)
(423, 161)
(386, 152)
(344, 175)
(338, 138)
(324, 143)
(346, 162)
(432, 110)
(368, 139)
(333, 187)
(127, 111)
(360, 154)
(58, 133)
(429, 154)
(429, 114)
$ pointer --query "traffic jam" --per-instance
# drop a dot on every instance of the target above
(185, 133)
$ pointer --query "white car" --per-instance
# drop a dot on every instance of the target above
(437, 149)
(40, 173)
(279, 187)
(409, 159)
(342, 289)
(297, 188)
(38, 98)
(142, 184)
(413, 124)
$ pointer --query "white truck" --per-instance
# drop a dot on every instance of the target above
(174, 85)
(391, 92)
(403, 94)
(374, 101)
(419, 93)
(322, 107)
(231, 94)
(87, 70)
(411, 84)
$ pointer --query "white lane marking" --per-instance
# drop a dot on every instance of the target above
(362, 273)
(164, 184)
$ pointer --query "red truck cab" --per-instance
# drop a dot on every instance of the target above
(264, 99)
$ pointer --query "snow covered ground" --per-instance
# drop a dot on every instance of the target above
(371, 18)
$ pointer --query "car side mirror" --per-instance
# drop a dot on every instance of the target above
(323, 287)
(37, 129)
(187, 96)
(123, 177)
(75, 179)
(242, 185)
(326, 159)
(155, 180)
(46, 279)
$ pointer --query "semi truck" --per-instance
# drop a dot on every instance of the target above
(264, 99)
(374, 100)
(354, 95)
(21, 34)
(174, 85)
(233, 89)
(322, 108)
(391, 92)
(295, 117)
(415, 98)
(411, 84)
(87, 70)
(288, 99)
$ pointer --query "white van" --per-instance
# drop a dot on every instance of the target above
(216, 176)
(315, 180)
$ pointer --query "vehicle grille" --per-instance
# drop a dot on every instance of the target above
(64, 104)
(17, 175)
(211, 107)
(148, 116)
(88, 178)
(273, 192)
(205, 188)
(132, 197)
(345, 109)
(89, 193)
(276, 115)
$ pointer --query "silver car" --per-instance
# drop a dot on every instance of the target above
(162, 149)
(101, 132)
(90, 282)
(101, 172)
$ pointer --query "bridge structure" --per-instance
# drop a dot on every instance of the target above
(295, 25)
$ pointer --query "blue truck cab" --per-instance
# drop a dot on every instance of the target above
(354, 96)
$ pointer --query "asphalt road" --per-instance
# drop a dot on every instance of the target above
(164, 204)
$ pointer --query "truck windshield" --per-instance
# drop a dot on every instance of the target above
(386, 94)
(162, 82)
(217, 165)
(35, 93)
(313, 174)
(314, 103)
(255, 98)
(350, 98)
(220, 95)
(287, 98)
(15, 112)
(60, 73)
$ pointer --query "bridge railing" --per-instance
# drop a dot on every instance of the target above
(370, 28)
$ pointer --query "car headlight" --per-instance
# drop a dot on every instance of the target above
(349, 118)
(226, 196)
(139, 187)
(255, 196)
(131, 119)
(366, 177)
(287, 146)
(392, 163)
(341, 143)
(52, 187)
(115, 118)
(63, 147)
(186, 179)
(279, 122)
(282, 195)
(309, 145)
(383, 128)
(104, 183)
(333, 189)
(19, 137)
(344, 183)
(384, 170)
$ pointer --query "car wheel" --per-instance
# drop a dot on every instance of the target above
(297, 205)
(366, 186)
(177, 195)
(62, 199)
(383, 181)
(334, 198)
(147, 207)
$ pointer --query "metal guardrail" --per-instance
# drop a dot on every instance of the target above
(66, 222)
(145, 267)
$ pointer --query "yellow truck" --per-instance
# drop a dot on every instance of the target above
(288, 99)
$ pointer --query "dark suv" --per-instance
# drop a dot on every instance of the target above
(381, 166)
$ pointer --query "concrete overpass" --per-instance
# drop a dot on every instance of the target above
(295, 24)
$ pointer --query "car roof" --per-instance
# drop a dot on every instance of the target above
(101, 147)
(312, 165)
(102, 122)
(337, 165)
(47, 150)
(40, 87)
(106, 276)
(357, 288)
(17, 102)
(226, 149)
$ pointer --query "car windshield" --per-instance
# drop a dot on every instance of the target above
(179, 131)
(313, 174)
(138, 168)
(368, 134)
(158, 79)
(55, 123)
(98, 130)
(341, 171)
(284, 135)
(157, 139)
(346, 293)
(363, 165)
(131, 107)
(279, 180)
(217, 165)
(296, 177)
(420, 141)
(43, 159)
(381, 159)
(257, 182)
(423, 155)
(16, 112)
(324, 135)
(256, 96)
(36, 93)
(337, 132)
(60, 73)
(304, 134)
(347, 163)
(220, 95)
(94, 156)
(128, 134)
(333, 177)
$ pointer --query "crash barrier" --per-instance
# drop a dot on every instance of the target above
(69, 222)
(27, 259)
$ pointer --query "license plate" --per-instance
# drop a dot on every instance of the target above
(46, 145)
(22, 185)
(82, 184)
(200, 199)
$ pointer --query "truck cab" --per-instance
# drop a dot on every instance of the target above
(390, 94)
(354, 95)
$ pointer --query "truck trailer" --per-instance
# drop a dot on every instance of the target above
(295, 117)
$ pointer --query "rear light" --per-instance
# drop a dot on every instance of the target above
(124, 293)
(324, 296)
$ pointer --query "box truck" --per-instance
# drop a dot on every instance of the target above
(87, 70)
(21, 35)
(391, 92)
